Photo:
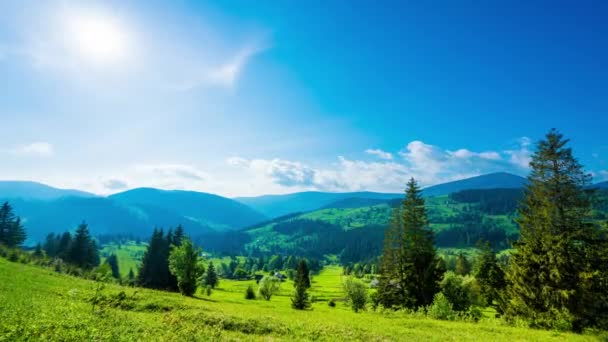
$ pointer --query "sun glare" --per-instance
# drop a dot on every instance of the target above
(97, 38)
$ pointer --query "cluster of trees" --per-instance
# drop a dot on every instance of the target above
(78, 249)
(154, 269)
(12, 232)
(246, 268)
(493, 201)
(557, 277)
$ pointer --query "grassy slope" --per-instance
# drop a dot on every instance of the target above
(38, 304)
(129, 255)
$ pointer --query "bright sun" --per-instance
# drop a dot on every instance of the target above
(98, 39)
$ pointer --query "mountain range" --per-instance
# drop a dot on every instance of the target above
(137, 212)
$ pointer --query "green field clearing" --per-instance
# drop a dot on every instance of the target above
(38, 304)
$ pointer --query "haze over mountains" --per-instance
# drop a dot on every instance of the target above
(45, 209)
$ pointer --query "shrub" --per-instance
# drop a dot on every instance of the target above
(356, 293)
(250, 293)
(208, 290)
(269, 285)
(441, 308)
(331, 303)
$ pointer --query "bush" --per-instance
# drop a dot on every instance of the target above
(250, 293)
(461, 291)
(269, 285)
(331, 303)
(356, 293)
(441, 308)
(208, 290)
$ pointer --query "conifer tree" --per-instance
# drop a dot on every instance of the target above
(12, 232)
(154, 268)
(211, 278)
(83, 250)
(50, 245)
(489, 275)
(63, 245)
(410, 268)
(38, 251)
(300, 300)
(112, 261)
(302, 275)
(131, 275)
(558, 271)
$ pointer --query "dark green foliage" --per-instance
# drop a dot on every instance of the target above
(302, 277)
(557, 276)
(489, 275)
(112, 261)
(38, 253)
(300, 300)
(250, 293)
(154, 269)
(82, 251)
(12, 232)
(463, 266)
(211, 278)
(331, 303)
(491, 201)
(410, 269)
(183, 263)
(461, 291)
(131, 275)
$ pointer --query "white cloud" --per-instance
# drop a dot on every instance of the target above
(228, 73)
(427, 163)
(35, 149)
(379, 153)
(522, 156)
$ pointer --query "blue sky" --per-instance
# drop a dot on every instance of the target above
(245, 98)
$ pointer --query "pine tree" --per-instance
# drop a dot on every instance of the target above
(38, 252)
(302, 277)
(211, 278)
(51, 245)
(83, 251)
(300, 300)
(178, 235)
(63, 245)
(183, 263)
(154, 268)
(12, 232)
(112, 261)
(131, 275)
(556, 269)
(410, 268)
(489, 275)
(463, 266)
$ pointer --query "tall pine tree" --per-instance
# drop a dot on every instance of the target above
(555, 271)
(12, 233)
(83, 250)
(410, 269)
(154, 269)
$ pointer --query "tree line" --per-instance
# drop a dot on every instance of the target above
(556, 277)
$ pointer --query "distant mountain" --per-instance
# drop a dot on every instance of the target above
(103, 215)
(279, 205)
(499, 180)
(207, 209)
(602, 185)
(36, 191)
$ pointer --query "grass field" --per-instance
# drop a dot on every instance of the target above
(129, 255)
(38, 304)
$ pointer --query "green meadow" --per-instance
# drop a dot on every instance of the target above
(39, 304)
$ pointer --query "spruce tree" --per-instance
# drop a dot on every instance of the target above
(300, 300)
(302, 277)
(489, 275)
(63, 245)
(154, 268)
(410, 268)
(83, 251)
(12, 232)
(211, 278)
(112, 260)
(50, 245)
(558, 271)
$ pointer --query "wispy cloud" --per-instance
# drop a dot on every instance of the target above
(429, 164)
(379, 153)
(522, 156)
(35, 149)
